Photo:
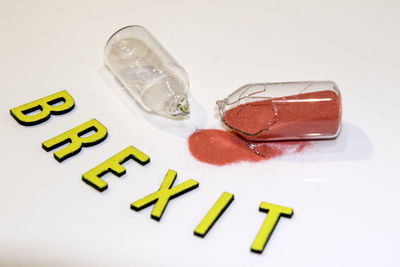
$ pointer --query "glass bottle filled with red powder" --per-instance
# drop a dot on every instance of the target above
(284, 111)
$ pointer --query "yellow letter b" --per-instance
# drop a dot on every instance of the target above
(47, 107)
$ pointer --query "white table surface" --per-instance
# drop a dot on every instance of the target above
(345, 193)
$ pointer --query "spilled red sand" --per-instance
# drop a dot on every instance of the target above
(220, 147)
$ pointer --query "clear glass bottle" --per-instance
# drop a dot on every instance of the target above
(149, 73)
(284, 111)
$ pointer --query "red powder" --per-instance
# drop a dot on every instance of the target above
(313, 115)
(220, 147)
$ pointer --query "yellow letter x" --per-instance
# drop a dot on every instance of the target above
(163, 195)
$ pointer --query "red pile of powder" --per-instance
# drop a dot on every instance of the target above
(220, 147)
(303, 116)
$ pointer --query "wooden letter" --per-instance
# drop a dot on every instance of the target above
(214, 213)
(274, 213)
(45, 105)
(73, 137)
(113, 165)
(164, 194)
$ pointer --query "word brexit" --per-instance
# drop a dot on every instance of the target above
(40, 110)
